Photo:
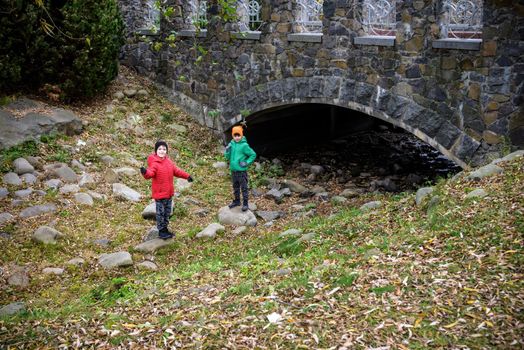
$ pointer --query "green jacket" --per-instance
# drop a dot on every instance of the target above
(239, 152)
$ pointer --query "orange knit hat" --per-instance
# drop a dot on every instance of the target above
(237, 130)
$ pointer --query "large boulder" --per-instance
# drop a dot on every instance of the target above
(236, 217)
(123, 192)
(46, 235)
(113, 260)
(32, 125)
(485, 171)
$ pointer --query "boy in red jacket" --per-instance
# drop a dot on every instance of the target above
(162, 170)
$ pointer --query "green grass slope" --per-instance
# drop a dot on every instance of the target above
(398, 277)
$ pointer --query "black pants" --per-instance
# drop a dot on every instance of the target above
(163, 211)
(239, 180)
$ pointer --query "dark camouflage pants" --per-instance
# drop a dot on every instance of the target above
(239, 180)
(163, 211)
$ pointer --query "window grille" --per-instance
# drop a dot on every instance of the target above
(249, 14)
(152, 16)
(199, 14)
(463, 19)
(310, 15)
(379, 17)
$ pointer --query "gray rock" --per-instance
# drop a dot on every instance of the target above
(96, 196)
(53, 183)
(23, 193)
(15, 131)
(153, 245)
(293, 186)
(142, 93)
(37, 210)
(317, 169)
(12, 309)
(22, 166)
(210, 231)
(147, 265)
(28, 178)
(267, 215)
(87, 181)
(509, 157)
(53, 271)
(46, 235)
(236, 217)
(201, 212)
(119, 95)
(40, 192)
(318, 189)
(76, 164)
(485, 171)
(477, 193)
(152, 233)
(323, 196)
(19, 278)
(84, 199)
(112, 260)
(276, 195)
(69, 188)
(76, 262)
(371, 205)
(36, 162)
(65, 173)
(110, 176)
(178, 128)
(127, 171)
(239, 230)
(130, 92)
(123, 192)
(12, 179)
(5, 217)
(306, 237)
(103, 242)
(17, 202)
(149, 212)
(183, 185)
(349, 193)
(107, 160)
(283, 272)
(291, 232)
(3, 192)
(422, 193)
(220, 165)
(338, 200)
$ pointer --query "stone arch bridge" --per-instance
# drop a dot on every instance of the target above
(463, 96)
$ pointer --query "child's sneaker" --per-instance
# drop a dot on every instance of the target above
(165, 234)
(233, 204)
(245, 207)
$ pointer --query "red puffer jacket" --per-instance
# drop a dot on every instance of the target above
(162, 171)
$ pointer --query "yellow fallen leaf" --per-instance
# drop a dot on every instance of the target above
(489, 324)
(471, 289)
(451, 325)
(129, 325)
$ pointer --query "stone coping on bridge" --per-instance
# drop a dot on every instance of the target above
(457, 44)
(375, 40)
(305, 37)
(191, 33)
(248, 35)
(147, 31)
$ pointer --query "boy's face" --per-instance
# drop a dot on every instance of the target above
(237, 137)
(161, 151)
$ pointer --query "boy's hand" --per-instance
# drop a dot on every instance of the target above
(189, 179)
(243, 164)
(143, 170)
(228, 147)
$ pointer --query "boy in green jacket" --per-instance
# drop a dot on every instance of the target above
(240, 156)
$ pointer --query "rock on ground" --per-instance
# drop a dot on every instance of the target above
(121, 191)
(153, 245)
(236, 217)
(12, 309)
(46, 235)
(113, 260)
(210, 231)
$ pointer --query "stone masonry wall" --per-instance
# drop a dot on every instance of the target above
(466, 103)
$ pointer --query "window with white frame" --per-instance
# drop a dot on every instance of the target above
(310, 15)
(378, 17)
(249, 15)
(462, 19)
(198, 15)
(152, 16)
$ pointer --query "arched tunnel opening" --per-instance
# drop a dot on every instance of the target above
(352, 149)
